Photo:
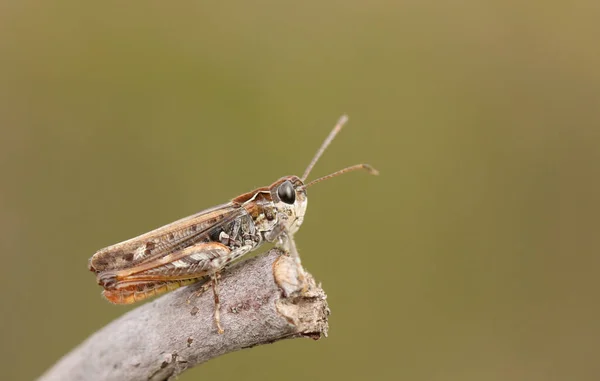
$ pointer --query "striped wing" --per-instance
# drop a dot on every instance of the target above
(150, 247)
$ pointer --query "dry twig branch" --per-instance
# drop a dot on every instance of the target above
(260, 303)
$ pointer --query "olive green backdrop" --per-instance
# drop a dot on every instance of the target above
(474, 256)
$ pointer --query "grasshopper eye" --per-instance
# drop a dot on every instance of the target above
(286, 192)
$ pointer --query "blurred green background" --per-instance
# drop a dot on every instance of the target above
(474, 256)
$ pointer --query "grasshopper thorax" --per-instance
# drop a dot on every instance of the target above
(277, 208)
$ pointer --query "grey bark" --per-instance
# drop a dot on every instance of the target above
(261, 302)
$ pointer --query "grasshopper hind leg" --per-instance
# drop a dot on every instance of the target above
(201, 290)
(214, 280)
(214, 283)
(134, 292)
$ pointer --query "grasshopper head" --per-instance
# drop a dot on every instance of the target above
(289, 198)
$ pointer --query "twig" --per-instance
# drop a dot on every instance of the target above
(260, 303)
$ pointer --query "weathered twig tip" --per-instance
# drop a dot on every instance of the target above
(261, 302)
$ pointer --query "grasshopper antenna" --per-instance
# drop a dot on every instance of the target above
(356, 167)
(343, 119)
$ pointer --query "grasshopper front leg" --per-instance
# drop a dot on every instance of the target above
(286, 242)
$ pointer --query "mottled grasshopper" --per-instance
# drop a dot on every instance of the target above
(201, 245)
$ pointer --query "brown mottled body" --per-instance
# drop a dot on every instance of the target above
(159, 242)
(201, 245)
